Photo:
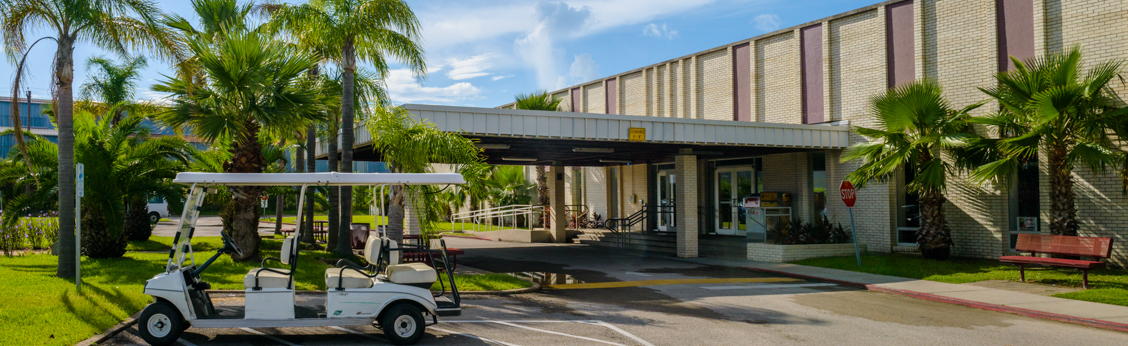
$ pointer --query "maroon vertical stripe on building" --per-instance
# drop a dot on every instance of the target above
(576, 106)
(612, 95)
(812, 58)
(899, 43)
(1015, 25)
(741, 83)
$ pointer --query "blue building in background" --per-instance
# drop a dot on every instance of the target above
(31, 119)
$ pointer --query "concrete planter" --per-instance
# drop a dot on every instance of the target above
(787, 253)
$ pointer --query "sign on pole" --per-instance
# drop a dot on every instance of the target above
(79, 192)
(849, 196)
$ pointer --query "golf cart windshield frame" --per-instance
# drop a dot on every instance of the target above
(200, 181)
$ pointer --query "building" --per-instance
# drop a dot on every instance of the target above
(772, 114)
(31, 119)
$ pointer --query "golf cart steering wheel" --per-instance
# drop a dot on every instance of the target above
(230, 243)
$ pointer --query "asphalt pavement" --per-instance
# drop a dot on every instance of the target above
(605, 297)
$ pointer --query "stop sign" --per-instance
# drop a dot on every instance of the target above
(849, 194)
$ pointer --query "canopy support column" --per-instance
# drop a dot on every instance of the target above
(556, 202)
(685, 205)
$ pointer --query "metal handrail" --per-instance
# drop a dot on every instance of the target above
(617, 226)
(485, 217)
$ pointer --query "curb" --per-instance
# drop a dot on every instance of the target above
(1120, 327)
(109, 333)
(466, 236)
(534, 288)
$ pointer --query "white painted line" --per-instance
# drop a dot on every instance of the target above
(629, 335)
(521, 321)
(451, 332)
(766, 286)
(558, 333)
(185, 342)
(637, 273)
(350, 331)
(271, 337)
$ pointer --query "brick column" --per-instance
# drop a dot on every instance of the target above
(685, 206)
(556, 202)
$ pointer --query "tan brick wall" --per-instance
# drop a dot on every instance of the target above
(633, 183)
(661, 91)
(778, 81)
(714, 85)
(595, 98)
(634, 89)
(857, 64)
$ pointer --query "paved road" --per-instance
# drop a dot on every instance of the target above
(206, 226)
(776, 311)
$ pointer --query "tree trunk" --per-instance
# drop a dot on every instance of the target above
(299, 166)
(395, 215)
(542, 195)
(934, 238)
(311, 166)
(64, 77)
(1063, 210)
(240, 215)
(347, 116)
(98, 239)
(334, 192)
(137, 226)
(279, 205)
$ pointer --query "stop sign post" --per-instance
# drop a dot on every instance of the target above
(849, 196)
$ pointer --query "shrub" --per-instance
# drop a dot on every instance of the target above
(796, 231)
(32, 232)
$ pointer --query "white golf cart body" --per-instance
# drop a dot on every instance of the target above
(353, 297)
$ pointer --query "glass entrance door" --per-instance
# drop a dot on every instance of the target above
(733, 184)
(667, 181)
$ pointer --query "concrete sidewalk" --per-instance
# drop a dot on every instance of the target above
(1113, 317)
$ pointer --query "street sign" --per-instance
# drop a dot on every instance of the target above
(751, 202)
(263, 200)
(849, 194)
(636, 134)
(80, 180)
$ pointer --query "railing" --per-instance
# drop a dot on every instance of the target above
(483, 219)
(623, 227)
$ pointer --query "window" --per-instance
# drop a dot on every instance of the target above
(1024, 201)
(908, 210)
(818, 184)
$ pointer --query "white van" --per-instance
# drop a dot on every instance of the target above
(158, 208)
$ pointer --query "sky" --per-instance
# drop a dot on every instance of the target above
(481, 53)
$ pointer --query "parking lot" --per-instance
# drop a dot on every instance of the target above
(601, 297)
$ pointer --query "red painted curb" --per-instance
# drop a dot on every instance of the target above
(1120, 327)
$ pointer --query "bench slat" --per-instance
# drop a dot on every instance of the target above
(1064, 245)
(1055, 262)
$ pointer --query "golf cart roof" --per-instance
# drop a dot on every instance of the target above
(317, 179)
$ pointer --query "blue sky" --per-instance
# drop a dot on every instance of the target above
(482, 53)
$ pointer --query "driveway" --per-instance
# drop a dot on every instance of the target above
(606, 297)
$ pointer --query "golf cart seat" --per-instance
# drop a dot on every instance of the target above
(266, 277)
(413, 274)
(354, 277)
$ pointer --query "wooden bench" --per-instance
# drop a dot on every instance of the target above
(1098, 247)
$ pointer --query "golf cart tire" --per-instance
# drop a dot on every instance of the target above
(164, 316)
(154, 217)
(397, 313)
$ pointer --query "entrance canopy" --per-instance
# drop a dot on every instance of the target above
(317, 179)
(525, 137)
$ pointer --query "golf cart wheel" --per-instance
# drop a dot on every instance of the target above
(154, 217)
(160, 324)
(403, 324)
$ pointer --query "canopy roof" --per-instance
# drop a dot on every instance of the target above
(319, 179)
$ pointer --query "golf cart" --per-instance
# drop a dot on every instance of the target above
(395, 297)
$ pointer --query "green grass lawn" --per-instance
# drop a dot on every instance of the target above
(483, 282)
(36, 308)
(1106, 286)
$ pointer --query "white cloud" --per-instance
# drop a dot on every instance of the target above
(502, 77)
(537, 48)
(766, 22)
(403, 87)
(583, 69)
(659, 31)
(471, 67)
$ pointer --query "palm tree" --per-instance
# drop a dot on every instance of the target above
(115, 25)
(507, 186)
(367, 30)
(411, 146)
(112, 87)
(1051, 104)
(123, 164)
(249, 88)
(916, 127)
(540, 101)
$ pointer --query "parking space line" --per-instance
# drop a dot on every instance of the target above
(629, 335)
(271, 337)
(451, 332)
(559, 333)
(767, 286)
(619, 284)
(350, 331)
